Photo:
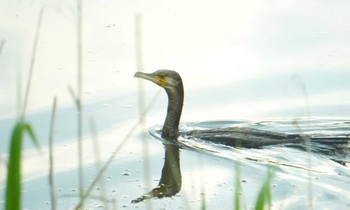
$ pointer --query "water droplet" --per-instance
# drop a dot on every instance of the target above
(126, 172)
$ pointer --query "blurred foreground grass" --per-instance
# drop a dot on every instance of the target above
(13, 185)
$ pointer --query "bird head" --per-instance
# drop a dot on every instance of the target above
(167, 79)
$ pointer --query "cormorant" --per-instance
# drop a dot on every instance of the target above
(232, 136)
(172, 83)
(171, 181)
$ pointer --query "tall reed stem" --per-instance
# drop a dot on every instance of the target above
(79, 96)
(51, 168)
(2, 43)
(32, 62)
(141, 100)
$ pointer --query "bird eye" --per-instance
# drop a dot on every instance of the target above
(162, 76)
(162, 81)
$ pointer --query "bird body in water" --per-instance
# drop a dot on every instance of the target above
(232, 136)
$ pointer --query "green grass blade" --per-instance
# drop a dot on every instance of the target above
(13, 185)
(237, 186)
(28, 128)
(264, 197)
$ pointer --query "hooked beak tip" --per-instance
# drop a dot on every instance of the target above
(143, 75)
(137, 74)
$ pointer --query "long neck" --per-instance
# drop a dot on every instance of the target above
(175, 102)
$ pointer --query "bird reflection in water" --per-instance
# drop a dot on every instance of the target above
(170, 181)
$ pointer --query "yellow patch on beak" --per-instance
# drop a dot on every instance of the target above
(160, 80)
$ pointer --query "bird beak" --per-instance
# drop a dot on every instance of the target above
(161, 81)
